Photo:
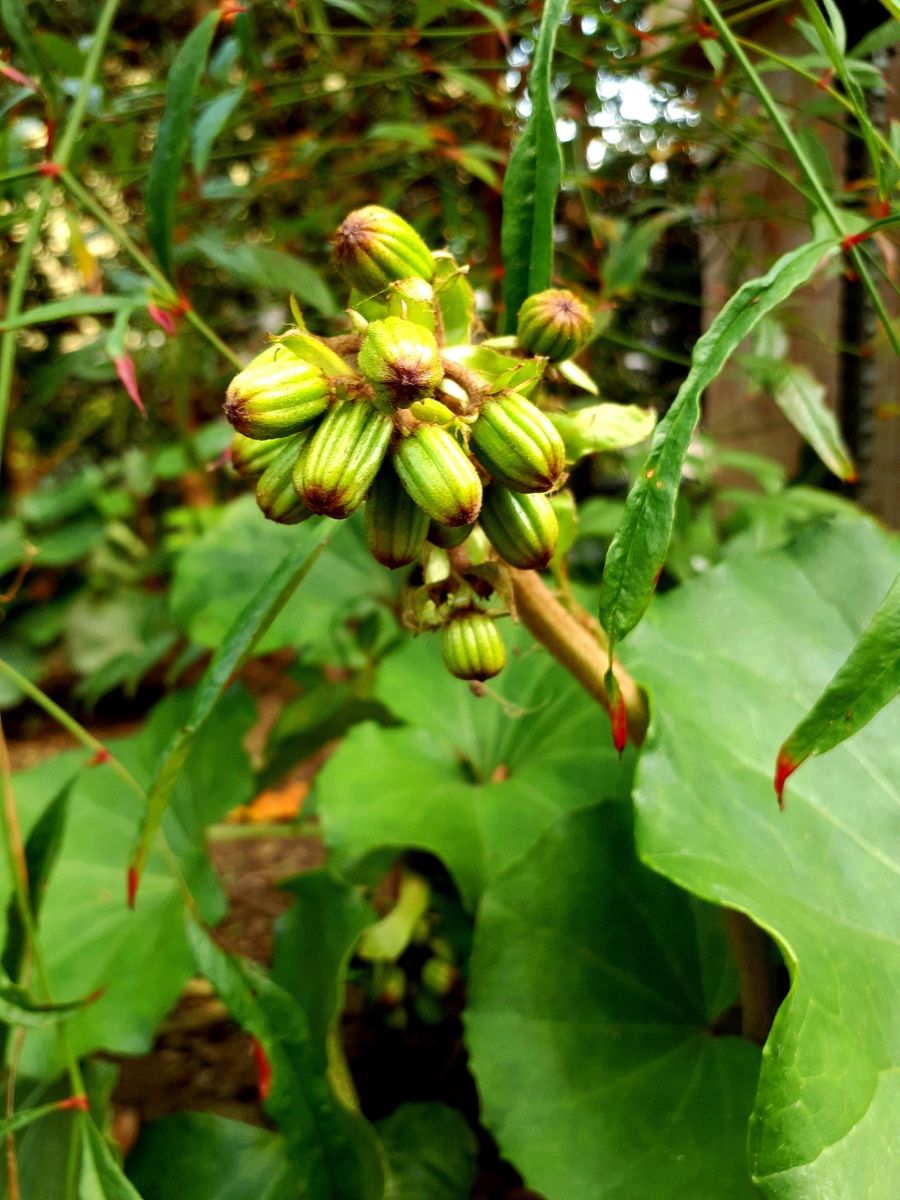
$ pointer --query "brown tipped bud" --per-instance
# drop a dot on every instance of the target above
(395, 525)
(447, 537)
(401, 360)
(471, 645)
(523, 529)
(275, 491)
(439, 475)
(343, 457)
(374, 247)
(518, 445)
(553, 323)
(250, 457)
(275, 395)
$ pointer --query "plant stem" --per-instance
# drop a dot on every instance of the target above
(131, 248)
(583, 652)
(823, 199)
(52, 709)
(751, 947)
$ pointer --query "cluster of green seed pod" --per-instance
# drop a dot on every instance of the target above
(399, 418)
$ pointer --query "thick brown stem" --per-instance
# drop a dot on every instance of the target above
(751, 947)
(583, 653)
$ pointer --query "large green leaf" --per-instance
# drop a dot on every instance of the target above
(89, 936)
(532, 182)
(638, 551)
(202, 1156)
(593, 986)
(101, 1176)
(173, 137)
(473, 780)
(431, 1151)
(866, 681)
(732, 659)
(219, 573)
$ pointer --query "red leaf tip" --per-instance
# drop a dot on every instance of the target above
(102, 756)
(124, 365)
(79, 1102)
(263, 1069)
(134, 879)
(784, 769)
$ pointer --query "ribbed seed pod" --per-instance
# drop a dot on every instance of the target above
(471, 646)
(401, 360)
(395, 525)
(374, 247)
(343, 457)
(448, 538)
(275, 395)
(517, 444)
(553, 323)
(250, 457)
(522, 528)
(438, 475)
(275, 491)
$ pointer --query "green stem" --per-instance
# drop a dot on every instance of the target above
(53, 710)
(131, 248)
(823, 199)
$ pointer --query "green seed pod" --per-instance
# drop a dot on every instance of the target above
(401, 360)
(517, 444)
(395, 525)
(553, 323)
(275, 395)
(523, 529)
(471, 645)
(343, 457)
(275, 491)
(374, 247)
(439, 475)
(250, 457)
(448, 538)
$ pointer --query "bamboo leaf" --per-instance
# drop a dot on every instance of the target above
(638, 550)
(868, 679)
(210, 124)
(174, 136)
(235, 648)
(264, 267)
(61, 310)
(20, 28)
(532, 182)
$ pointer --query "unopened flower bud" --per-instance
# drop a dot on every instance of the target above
(342, 459)
(439, 475)
(250, 457)
(374, 247)
(517, 444)
(401, 360)
(275, 395)
(522, 528)
(395, 525)
(471, 645)
(275, 491)
(553, 323)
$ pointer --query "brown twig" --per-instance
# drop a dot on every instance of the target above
(751, 947)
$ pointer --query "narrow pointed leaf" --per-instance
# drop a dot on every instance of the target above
(210, 124)
(233, 651)
(801, 398)
(532, 182)
(27, 1116)
(174, 136)
(638, 551)
(19, 1007)
(868, 680)
(333, 1147)
(101, 1176)
(62, 310)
